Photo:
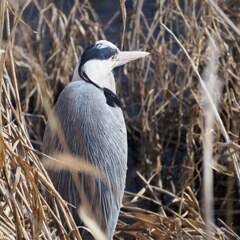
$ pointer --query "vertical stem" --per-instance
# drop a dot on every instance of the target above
(230, 197)
(2, 11)
(124, 16)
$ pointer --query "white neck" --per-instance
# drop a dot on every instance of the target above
(99, 72)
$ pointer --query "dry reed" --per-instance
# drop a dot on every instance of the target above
(162, 106)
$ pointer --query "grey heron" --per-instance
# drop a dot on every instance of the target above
(91, 120)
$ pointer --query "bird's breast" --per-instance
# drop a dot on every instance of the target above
(100, 126)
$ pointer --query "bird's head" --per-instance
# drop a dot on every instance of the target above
(98, 61)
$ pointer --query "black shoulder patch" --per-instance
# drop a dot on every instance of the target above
(112, 99)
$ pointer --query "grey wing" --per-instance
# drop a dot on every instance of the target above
(97, 132)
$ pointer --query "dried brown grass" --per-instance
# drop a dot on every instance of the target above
(161, 101)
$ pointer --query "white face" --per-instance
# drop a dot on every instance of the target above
(98, 61)
(111, 61)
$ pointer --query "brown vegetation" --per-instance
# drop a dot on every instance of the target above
(163, 107)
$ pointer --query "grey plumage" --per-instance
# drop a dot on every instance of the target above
(91, 120)
(92, 129)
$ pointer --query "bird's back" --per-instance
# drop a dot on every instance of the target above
(96, 131)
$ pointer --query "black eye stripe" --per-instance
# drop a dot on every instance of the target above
(92, 52)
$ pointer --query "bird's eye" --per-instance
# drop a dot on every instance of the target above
(114, 56)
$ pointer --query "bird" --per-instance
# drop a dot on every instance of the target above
(90, 117)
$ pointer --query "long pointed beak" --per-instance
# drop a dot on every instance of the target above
(128, 56)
